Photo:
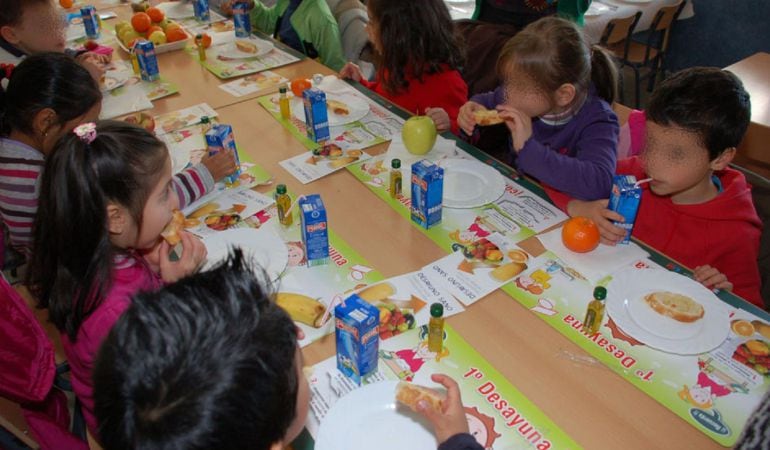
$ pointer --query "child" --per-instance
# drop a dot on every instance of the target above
(47, 96)
(696, 209)
(106, 195)
(207, 363)
(556, 102)
(28, 27)
(521, 13)
(419, 59)
(451, 424)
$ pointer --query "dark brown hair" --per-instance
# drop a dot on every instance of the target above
(553, 51)
(12, 10)
(416, 36)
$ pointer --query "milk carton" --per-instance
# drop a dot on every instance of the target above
(220, 138)
(624, 200)
(356, 331)
(147, 60)
(427, 193)
(316, 116)
(201, 10)
(90, 21)
(241, 19)
(315, 229)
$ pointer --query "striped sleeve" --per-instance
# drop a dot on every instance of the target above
(19, 179)
(192, 184)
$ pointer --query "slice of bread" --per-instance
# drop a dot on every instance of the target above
(411, 394)
(246, 47)
(676, 306)
(171, 232)
(337, 107)
(487, 117)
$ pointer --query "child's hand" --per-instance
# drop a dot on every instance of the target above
(227, 6)
(193, 254)
(465, 118)
(597, 211)
(352, 71)
(94, 64)
(220, 165)
(519, 123)
(440, 118)
(711, 278)
(452, 419)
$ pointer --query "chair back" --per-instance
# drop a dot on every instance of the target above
(662, 24)
(619, 30)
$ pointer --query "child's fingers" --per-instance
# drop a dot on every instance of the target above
(612, 215)
(453, 390)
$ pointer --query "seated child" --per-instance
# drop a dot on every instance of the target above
(419, 59)
(209, 362)
(696, 209)
(106, 196)
(28, 27)
(556, 102)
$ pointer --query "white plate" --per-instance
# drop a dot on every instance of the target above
(177, 10)
(368, 418)
(596, 9)
(469, 183)
(359, 108)
(626, 306)
(114, 79)
(229, 49)
(263, 246)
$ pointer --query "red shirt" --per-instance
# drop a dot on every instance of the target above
(445, 89)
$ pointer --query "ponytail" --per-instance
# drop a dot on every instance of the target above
(604, 74)
(5, 74)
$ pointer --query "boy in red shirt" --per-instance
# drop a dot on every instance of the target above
(696, 210)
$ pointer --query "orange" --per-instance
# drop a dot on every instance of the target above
(66, 4)
(742, 328)
(153, 29)
(299, 85)
(175, 34)
(141, 22)
(580, 234)
(206, 40)
(156, 15)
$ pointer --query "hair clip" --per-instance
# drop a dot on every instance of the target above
(86, 132)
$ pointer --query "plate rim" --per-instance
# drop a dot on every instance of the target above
(499, 179)
(268, 45)
(207, 265)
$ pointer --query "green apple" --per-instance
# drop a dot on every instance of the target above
(128, 35)
(419, 134)
(158, 38)
(120, 26)
(163, 24)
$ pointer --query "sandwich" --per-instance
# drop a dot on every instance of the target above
(487, 117)
(246, 47)
(411, 394)
(337, 107)
(676, 306)
(174, 227)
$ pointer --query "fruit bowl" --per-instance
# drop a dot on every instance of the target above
(164, 48)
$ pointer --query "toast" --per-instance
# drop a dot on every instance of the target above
(171, 232)
(411, 394)
(337, 107)
(487, 117)
(246, 47)
(676, 306)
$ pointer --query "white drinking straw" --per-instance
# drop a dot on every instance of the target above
(646, 180)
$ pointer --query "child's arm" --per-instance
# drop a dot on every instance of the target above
(352, 71)
(491, 99)
(264, 18)
(450, 425)
(326, 39)
(465, 119)
(597, 211)
(197, 181)
(711, 278)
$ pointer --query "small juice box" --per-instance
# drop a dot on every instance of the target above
(148, 62)
(220, 138)
(315, 232)
(427, 193)
(356, 330)
(624, 200)
(241, 20)
(90, 21)
(201, 10)
(316, 117)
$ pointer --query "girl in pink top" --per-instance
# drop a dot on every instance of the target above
(106, 195)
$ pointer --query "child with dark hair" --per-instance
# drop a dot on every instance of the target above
(696, 209)
(106, 196)
(209, 362)
(556, 101)
(47, 96)
(419, 59)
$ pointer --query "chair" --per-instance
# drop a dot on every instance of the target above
(28, 375)
(754, 151)
(617, 38)
(351, 19)
(650, 54)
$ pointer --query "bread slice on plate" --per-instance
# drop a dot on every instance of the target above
(676, 306)
(246, 47)
(411, 394)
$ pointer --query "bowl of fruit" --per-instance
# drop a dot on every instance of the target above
(152, 25)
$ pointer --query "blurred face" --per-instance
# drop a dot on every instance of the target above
(522, 93)
(303, 398)
(678, 163)
(373, 31)
(158, 210)
(41, 29)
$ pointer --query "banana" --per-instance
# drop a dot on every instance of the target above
(204, 210)
(377, 292)
(302, 308)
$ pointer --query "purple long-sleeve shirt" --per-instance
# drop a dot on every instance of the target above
(462, 441)
(578, 157)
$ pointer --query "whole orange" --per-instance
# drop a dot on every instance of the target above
(580, 234)
(206, 40)
(66, 4)
(299, 85)
(156, 15)
(175, 34)
(141, 22)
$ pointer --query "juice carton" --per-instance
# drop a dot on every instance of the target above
(201, 10)
(427, 193)
(356, 330)
(148, 61)
(220, 138)
(315, 233)
(316, 116)
(90, 21)
(624, 200)
(241, 20)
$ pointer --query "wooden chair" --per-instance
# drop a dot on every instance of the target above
(650, 54)
(617, 39)
(754, 151)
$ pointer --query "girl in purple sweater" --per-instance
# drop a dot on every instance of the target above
(556, 102)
